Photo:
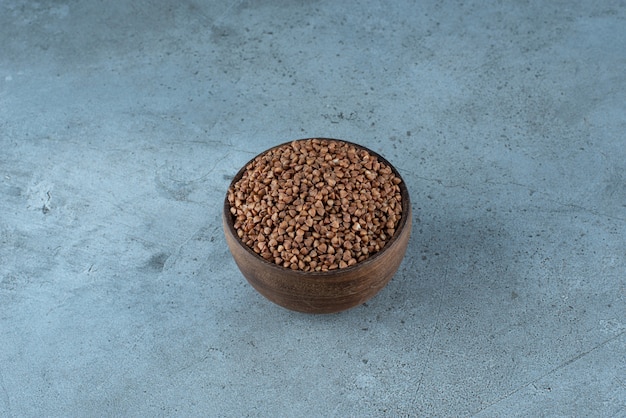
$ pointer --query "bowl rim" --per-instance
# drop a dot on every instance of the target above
(406, 210)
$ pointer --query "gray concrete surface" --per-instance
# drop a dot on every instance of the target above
(121, 124)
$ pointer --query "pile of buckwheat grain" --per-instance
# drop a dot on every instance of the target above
(316, 205)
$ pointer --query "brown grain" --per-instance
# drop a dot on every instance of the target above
(316, 205)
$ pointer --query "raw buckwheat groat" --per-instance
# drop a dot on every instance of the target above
(316, 205)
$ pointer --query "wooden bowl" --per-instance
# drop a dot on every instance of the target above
(328, 291)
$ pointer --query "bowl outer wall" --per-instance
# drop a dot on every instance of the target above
(321, 292)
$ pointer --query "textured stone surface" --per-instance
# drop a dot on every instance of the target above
(121, 126)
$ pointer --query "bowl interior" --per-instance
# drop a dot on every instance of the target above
(406, 211)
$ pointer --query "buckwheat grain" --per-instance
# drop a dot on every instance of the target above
(316, 205)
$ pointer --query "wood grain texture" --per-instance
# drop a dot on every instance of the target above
(322, 292)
